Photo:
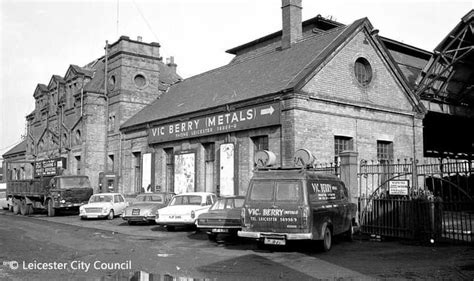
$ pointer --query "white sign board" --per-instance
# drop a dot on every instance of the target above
(146, 172)
(398, 187)
(226, 169)
(184, 172)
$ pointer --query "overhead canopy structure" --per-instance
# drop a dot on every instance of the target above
(446, 87)
(449, 75)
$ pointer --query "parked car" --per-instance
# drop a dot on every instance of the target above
(223, 217)
(144, 208)
(296, 204)
(103, 205)
(184, 209)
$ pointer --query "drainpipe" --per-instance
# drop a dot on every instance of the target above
(106, 105)
(415, 160)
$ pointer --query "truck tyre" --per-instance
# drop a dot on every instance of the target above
(29, 209)
(51, 210)
(16, 208)
(111, 215)
(326, 243)
(23, 208)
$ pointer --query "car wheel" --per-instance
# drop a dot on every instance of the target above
(212, 237)
(111, 215)
(169, 227)
(326, 243)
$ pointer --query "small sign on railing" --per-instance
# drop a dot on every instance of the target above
(398, 187)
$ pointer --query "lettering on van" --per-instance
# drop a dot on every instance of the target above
(324, 191)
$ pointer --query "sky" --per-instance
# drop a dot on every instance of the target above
(42, 38)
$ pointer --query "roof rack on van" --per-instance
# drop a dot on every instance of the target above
(303, 160)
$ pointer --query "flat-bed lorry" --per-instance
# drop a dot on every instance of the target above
(51, 191)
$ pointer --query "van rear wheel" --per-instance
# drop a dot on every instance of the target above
(326, 243)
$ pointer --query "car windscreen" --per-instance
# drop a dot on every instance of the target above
(186, 200)
(100, 198)
(76, 182)
(149, 198)
(219, 205)
(288, 191)
(228, 203)
(261, 190)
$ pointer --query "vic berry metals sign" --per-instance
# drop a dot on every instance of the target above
(242, 119)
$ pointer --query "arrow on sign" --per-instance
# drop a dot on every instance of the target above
(266, 111)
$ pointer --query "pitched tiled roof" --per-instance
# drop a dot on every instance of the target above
(96, 84)
(264, 74)
(19, 148)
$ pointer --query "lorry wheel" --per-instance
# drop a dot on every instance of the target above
(23, 208)
(111, 215)
(51, 210)
(29, 209)
(326, 243)
(16, 208)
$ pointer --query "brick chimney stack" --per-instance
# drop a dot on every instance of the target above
(292, 27)
(170, 63)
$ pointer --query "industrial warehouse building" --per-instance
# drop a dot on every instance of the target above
(318, 85)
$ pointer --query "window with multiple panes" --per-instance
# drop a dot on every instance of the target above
(341, 144)
(384, 150)
(260, 143)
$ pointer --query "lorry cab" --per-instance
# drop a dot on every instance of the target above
(296, 204)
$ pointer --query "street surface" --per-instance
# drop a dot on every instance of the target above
(65, 247)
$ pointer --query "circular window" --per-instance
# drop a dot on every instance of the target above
(112, 82)
(363, 71)
(140, 80)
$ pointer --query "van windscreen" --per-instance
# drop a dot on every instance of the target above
(262, 191)
(288, 191)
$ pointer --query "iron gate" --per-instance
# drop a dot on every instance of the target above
(438, 203)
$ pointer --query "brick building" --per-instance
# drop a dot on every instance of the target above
(318, 85)
(77, 116)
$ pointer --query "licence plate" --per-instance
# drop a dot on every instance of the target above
(135, 212)
(273, 241)
(220, 230)
(174, 217)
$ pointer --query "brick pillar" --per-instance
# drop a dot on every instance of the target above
(349, 167)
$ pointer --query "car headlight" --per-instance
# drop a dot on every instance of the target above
(105, 210)
(157, 215)
(62, 201)
(193, 214)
